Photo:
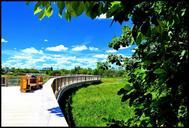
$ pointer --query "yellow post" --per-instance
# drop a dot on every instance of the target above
(40, 81)
(23, 84)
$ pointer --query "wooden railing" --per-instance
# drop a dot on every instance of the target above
(10, 80)
(58, 83)
(63, 81)
(15, 80)
(3, 81)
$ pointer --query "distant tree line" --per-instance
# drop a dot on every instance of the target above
(99, 70)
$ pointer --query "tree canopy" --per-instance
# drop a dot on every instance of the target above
(157, 72)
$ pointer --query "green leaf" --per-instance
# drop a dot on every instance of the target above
(183, 52)
(126, 29)
(37, 10)
(78, 8)
(61, 6)
(139, 38)
(183, 12)
(134, 32)
(75, 8)
(93, 12)
(145, 27)
(67, 15)
(48, 11)
(158, 29)
(42, 15)
(115, 3)
(131, 39)
(159, 71)
(128, 87)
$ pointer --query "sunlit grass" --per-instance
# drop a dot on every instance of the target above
(95, 102)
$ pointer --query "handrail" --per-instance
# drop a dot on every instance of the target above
(61, 82)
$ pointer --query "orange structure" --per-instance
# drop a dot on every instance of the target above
(40, 81)
(30, 82)
(24, 84)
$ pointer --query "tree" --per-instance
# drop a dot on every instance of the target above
(158, 83)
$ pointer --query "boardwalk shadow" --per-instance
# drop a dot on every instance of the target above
(57, 111)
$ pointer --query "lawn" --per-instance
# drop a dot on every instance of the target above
(95, 102)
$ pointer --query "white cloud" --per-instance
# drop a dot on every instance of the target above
(102, 17)
(79, 48)
(86, 60)
(21, 57)
(57, 48)
(133, 50)
(45, 40)
(32, 51)
(93, 49)
(3, 40)
(124, 47)
(103, 56)
(111, 51)
(33, 58)
(128, 56)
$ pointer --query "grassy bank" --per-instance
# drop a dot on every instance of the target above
(95, 102)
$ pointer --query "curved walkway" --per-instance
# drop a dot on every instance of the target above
(37, 108)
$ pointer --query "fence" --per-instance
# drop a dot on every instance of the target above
(63, 81)
(15, 80)
(10, 80)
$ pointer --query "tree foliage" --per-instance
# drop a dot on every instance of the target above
(158, 83)
(157, 70)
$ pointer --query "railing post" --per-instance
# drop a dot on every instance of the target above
(53, 86)
(3, 81)
(56, 81)
(68, 80)
(75, 79)
(72, 79)
(64, 81)
(59, 83)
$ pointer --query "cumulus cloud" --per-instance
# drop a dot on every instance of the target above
(32, 57)
(133, 50)
(93, 49)
(45, 40)
(3, 40)
(125, 47)
(79, 48)
(102, 17)
(111, 51)
(32, 51)
(103, 56)
(57, 48)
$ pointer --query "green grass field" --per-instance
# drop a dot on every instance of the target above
(92, 103)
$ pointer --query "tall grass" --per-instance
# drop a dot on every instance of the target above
(92, 104)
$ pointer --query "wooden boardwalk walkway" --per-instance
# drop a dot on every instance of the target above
(37, 108)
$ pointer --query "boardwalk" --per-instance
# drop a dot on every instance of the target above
(38, 108)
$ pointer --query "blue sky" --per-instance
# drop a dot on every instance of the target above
(27, 42)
